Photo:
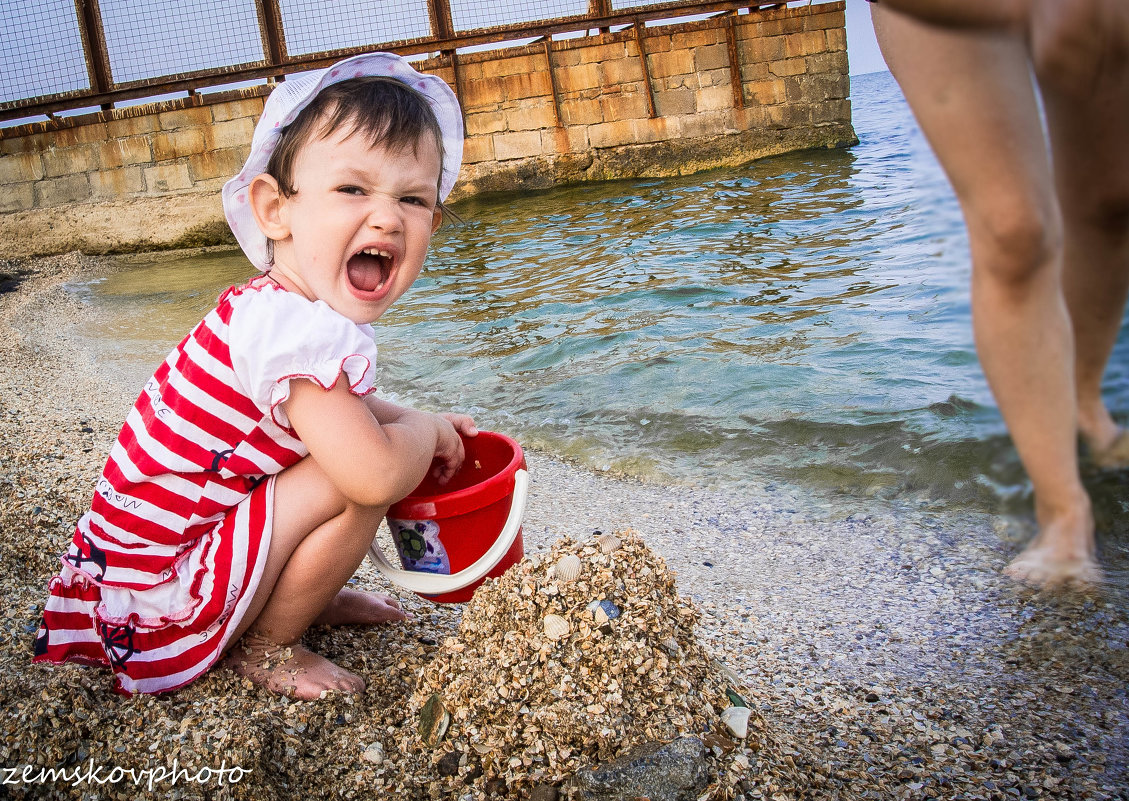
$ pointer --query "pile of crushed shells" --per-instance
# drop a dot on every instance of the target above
(571, 660)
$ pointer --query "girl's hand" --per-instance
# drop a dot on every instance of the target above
(449, 452)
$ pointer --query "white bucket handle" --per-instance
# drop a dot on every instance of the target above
(438, 583)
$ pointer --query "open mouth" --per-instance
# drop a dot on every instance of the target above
(370, 269)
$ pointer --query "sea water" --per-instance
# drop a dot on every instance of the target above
(803, 319)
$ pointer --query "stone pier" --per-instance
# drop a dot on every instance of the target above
(657, 101)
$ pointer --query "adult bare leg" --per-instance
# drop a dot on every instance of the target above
(972, 94)
(318, 540)
(1081, 55)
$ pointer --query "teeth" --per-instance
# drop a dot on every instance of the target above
(375, 252)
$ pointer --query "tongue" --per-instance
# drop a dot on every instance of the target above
(365, 272)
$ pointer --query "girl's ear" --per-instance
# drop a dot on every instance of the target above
(436, 219)
(266, 201)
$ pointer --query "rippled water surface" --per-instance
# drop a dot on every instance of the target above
(802, 319)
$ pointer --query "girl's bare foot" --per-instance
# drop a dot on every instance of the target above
(1062, 553)
(290, 670)
(361, 608)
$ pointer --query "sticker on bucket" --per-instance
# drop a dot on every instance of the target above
(451, 537)
(419, 546)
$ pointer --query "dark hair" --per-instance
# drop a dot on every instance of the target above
(387, 111)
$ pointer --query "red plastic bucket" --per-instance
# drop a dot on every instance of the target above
(451, 537)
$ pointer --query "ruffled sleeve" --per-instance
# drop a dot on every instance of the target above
(277, 336)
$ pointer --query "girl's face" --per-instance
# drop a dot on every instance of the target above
(355, 232)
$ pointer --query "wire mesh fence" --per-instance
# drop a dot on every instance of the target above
(152, 38)
(40, 49)
(317, 26)
(471, 15)
(56, 53)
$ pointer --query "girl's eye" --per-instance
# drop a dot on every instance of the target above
(350, 190)
(413, 200)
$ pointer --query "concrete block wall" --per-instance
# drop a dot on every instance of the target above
(582, 109)
(140, 151)
(591, 108)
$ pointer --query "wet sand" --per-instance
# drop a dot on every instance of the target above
(879, 641)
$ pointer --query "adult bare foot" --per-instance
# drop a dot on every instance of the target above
(1113, 455)
(1062, 553)
(290, 670)
(362, 608)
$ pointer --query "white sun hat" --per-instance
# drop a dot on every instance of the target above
(294, 94)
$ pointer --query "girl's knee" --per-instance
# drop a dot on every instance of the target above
(364, 517)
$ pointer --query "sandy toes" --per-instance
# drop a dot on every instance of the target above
(290, 670)
(353, 607)
(1056, 559)
(1039, 569)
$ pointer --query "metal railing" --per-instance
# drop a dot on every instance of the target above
(62, 55)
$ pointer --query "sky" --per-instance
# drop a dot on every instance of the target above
(862, 49)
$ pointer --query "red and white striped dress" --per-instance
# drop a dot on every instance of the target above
(162, 568)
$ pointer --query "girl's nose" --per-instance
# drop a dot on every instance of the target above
(384, 213)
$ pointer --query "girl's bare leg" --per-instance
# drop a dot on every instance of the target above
(973, 97)
(1081, 54)
(318, 540)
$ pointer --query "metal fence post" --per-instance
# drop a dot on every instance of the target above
(274, 37)
(637, 26)
(442, 26)
(599, 9)
(94, 40)
(734, 61)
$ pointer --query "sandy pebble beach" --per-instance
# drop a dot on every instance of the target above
(885, 652)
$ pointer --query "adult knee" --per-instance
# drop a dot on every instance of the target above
(1016, 244)
(1103, 212)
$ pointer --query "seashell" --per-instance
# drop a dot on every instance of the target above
(736, 719)
(374, 754)
(607, 542)
(433, 721)
(556, 626)
(603, 611)
(568, 567)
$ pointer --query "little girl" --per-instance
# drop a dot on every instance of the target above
(250, 477)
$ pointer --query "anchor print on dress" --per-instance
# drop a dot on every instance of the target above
(219, 457)
(41, 638)
(79, 555)
(419, 546)
(117, 642)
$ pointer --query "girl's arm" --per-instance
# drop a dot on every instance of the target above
(449, 452)
(373, 457)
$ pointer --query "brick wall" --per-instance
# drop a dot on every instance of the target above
(611, 106)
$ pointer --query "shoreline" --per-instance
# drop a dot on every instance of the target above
(879, 641)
